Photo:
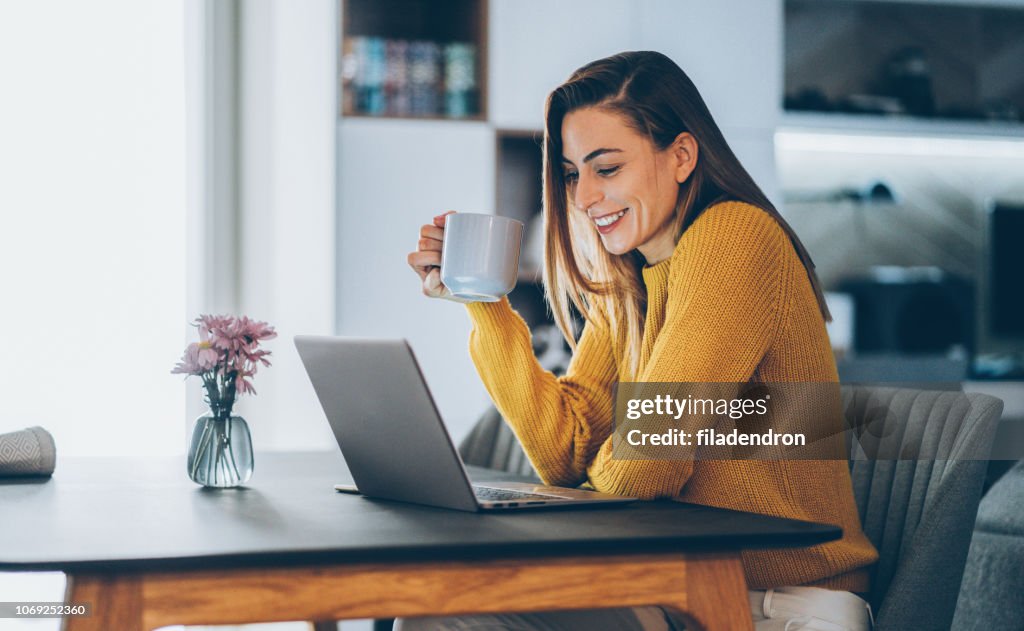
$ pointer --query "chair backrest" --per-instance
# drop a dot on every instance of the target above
(492, 444)
(919, 511)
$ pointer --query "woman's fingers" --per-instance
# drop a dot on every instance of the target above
(431, 238)
(433, 233)
(429, 244)
(440, 219)
(423, 260)
(433, 287)
(426, 260)
(432, 283)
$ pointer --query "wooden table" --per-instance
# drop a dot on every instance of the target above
(148, 548)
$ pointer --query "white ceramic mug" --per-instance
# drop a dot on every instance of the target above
(480, 256)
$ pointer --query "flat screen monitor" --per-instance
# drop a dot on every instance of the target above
(1002, 288)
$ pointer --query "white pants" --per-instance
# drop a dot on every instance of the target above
(781, 609)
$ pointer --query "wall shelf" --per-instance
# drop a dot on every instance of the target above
(899, 126)
(414, 59)
(926, 62)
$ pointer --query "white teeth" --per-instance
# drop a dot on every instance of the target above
(610, 219)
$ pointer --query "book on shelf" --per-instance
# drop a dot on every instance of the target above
(408, 78)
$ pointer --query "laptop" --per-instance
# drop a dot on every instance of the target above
(392, 436)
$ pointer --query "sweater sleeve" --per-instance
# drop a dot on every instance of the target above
(560, 421)
(721, 316)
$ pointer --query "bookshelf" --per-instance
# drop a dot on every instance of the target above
(414, 59)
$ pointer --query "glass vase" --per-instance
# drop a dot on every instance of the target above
(220, 453)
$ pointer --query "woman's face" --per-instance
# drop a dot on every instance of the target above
(627, 187)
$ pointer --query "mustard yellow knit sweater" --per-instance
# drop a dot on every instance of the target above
(732, 304)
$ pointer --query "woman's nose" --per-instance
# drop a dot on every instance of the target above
(588, 192)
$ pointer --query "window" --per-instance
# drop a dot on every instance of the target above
(92, 223)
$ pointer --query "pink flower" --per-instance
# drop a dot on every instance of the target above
(235, 335)
(216, 329)
(255, 331)
(199, 357)
(227, 353)
(242, 386)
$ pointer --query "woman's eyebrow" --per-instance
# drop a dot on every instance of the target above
(593, 154)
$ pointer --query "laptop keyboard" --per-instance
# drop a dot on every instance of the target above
(504, 495)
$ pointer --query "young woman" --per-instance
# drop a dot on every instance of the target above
(686, 273)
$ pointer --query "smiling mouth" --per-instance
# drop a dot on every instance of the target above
(607, 220)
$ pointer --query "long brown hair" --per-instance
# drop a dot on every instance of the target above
(656, 98)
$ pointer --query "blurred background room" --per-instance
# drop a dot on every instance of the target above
(276, 158)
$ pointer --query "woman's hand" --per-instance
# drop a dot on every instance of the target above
(426, 260)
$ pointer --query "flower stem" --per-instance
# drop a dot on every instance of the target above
(222, 453)
(203, 444)
(231, 456)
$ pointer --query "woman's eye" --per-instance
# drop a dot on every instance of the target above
(571, 177)
(608, 171)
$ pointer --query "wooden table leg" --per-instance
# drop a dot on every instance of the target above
(716, 594)
(115, 600)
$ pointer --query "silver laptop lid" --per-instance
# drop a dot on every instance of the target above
(385, 420)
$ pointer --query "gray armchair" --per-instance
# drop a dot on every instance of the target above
(992, 593)
(919, 512)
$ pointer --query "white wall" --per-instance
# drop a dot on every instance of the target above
(394, 176)
(287, 205)
(731, 49)
(536, 44)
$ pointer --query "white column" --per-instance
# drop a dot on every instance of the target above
(287, 210)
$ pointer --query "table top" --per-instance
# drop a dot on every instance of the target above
(113, 514)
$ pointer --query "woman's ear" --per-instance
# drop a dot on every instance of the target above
(684, 150)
